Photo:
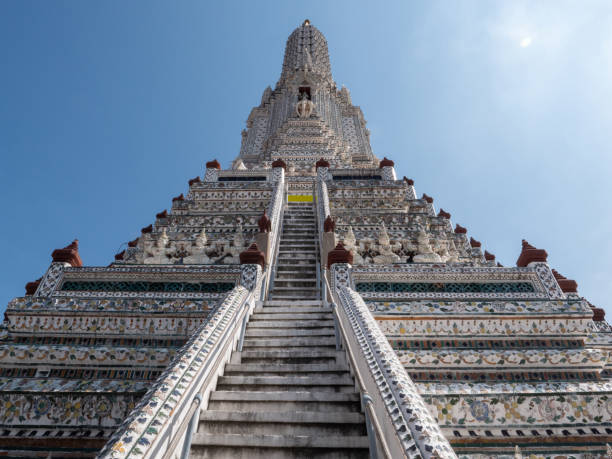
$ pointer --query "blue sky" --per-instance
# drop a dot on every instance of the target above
(499, 110)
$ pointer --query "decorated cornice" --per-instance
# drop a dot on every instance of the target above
(524, 410)
(479, 308)
(537, 273)
(65, 409)
(83, 356)
(103, 326)
(495, 327)
(475, 388)
(487, 359)
(75, 386)
(120, 306)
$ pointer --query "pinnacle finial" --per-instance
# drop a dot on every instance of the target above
(306, 22)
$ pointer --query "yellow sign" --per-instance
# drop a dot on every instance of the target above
(300, 198)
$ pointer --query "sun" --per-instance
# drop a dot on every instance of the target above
(525, 42)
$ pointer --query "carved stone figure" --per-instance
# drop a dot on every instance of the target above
(425, 253)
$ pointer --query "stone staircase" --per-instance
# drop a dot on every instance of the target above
(296, 266)
(289, 393)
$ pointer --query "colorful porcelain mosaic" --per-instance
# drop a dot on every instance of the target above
(488, 308)
(538, 358)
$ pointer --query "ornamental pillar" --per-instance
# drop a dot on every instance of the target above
(387, 168)
(212, 171)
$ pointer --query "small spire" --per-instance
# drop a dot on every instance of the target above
(566, 285)
(69, 254)
(444, 214)
(329, 225)
(339, 255)
(214, 164)
(529, 254)
(252, 256)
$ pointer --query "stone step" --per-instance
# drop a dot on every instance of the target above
(289, 259)
(307, 270)
(262, 368)
(293, 303)
(289, 356)
(288, 353)
(292, 279)
(290, 309)
(291, 332)
(286, 424)
(250, 342)
(294, 292)
(284, 297)
(319, 315)
(291, 255)
(295, 283)
(292, 245)
(288, 226)
(297, 417)
(287, 381)
(304, 268)
(275, 397)
(277, 446)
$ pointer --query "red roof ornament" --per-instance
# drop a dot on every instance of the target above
(489, 256)
(599, 314)
(147, 229)
(69, 254)
(264, 223)
(329, 225)
(460, 229)
(474, 243)
(566, 285)
(279, 163)
(195, 180)
(252, 256)
(119, 256)
(180, 197)
(386, 163)
(214, 164)
(322, 163)
(429, 199)
(409, 181)
(31, 287)
(339, 255)
(530, 254)
(443, 214)
(163, 214)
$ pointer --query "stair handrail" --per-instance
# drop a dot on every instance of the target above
(410, 429)
(276, 210)
(375, 432)
(157, 426)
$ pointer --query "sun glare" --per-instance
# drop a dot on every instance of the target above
(525, 42)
